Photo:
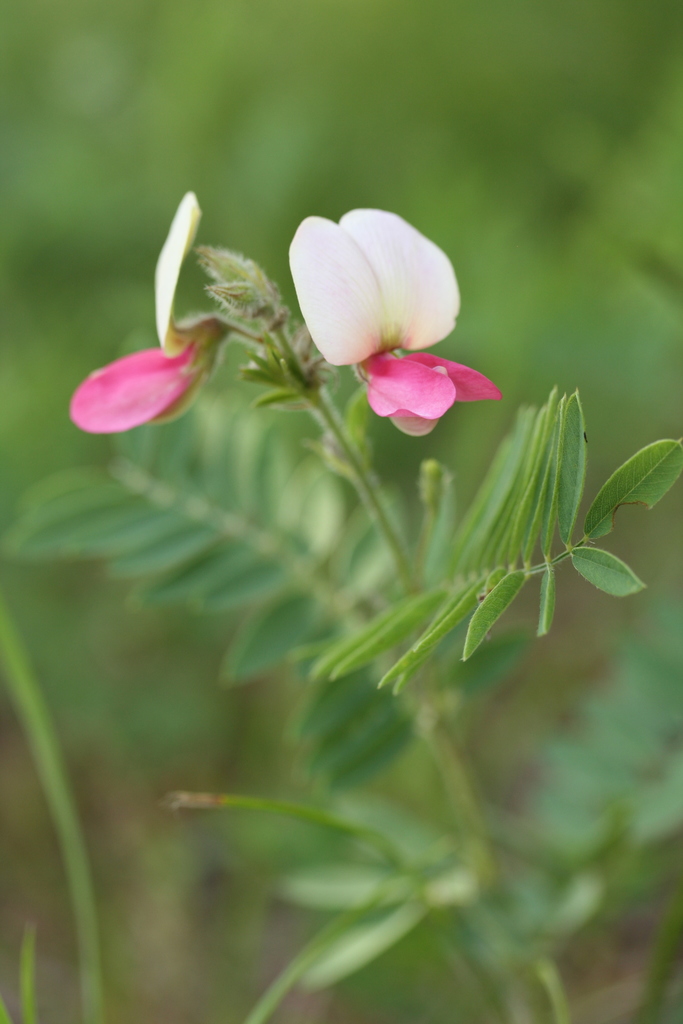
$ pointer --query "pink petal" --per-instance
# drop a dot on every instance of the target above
(337, 291)
(470, 385)
(415, 426)
(419, 291)
(406, 388)
(131, 391)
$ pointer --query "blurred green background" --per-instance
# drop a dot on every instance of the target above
(541, 145)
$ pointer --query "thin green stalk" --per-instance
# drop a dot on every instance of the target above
(365, 486)
(470, 819)
(667, 942)
(209, 801)
(28, 977)
(549, 977)
(33, 713)
(306, 958)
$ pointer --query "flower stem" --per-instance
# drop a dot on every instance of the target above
(33, 713)
(364, 484)
(667, 941)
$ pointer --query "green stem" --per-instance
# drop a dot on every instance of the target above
(305, 959)
(33, 713)
(661, 967)
(549, 977)
(470, 820)
(208, 801)
(364, 485)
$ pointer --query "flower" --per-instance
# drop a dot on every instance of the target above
(373, 284)
(155, 384)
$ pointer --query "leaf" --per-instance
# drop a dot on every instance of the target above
(256, 581)
(334, 704)
(191, 581)
(487, 508)
(606, 571)
(547, 611)
(572, 473)
(379, 748)
(28, 977)
(270, 635)
(642, 480)
(490, 610)
(341, 886)
(385, 631)
(526, 520)
(181, 542)
(355, 730)
(361, 945)
(491, 664)
(303, 812)
(549, 514)
(623, 750)
(450, 616)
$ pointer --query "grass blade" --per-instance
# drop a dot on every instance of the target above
(33, 714)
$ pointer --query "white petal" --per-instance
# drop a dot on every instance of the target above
(419, 290)
(175, 248)
(337, 290)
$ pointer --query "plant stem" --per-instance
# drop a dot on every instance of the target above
(210, 801)
(33, 713)
(549, 977)
(661, 967)
(463, 798)
(364, 484)
(307, 957)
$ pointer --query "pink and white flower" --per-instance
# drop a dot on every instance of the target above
(157, 383)
(373, 284)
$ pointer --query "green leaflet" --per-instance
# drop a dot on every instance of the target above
(643, 480)
(360, 945)
(491, 664)
(490, 610)
(550, 499)
(529, 491)
(492, 549)
(545, 618)
(354, 730)
(268, 637)
(572, 470)
(623, 748)
(342, 886)
(169, 548)
(606, 571)
(486, 511)
(457, 609)
(384, 632)
(256, 582)
(543, 479)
